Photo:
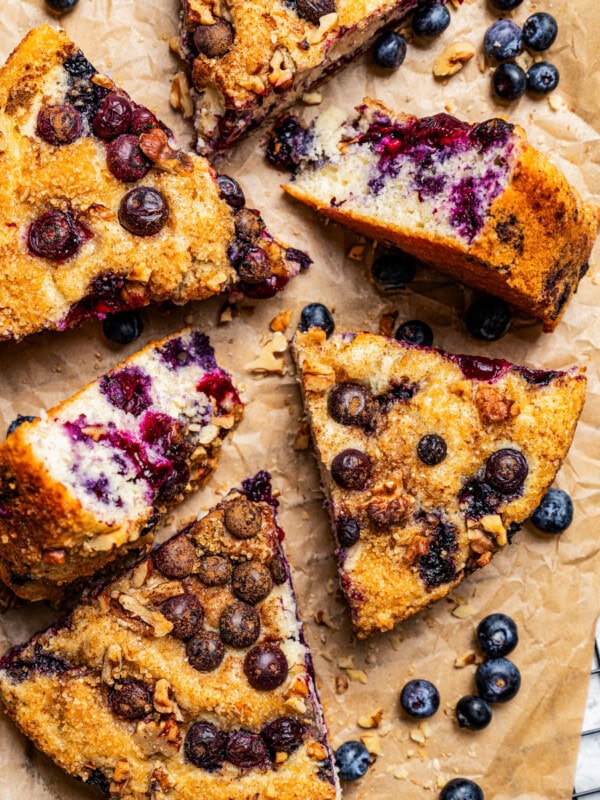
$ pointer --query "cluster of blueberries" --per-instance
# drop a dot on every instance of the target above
(428, 22)
(505, 40)
(497, 679)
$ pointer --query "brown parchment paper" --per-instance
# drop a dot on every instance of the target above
(549, 585)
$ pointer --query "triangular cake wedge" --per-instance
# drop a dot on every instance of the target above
(102, 211)
(90, 479)
(430, 461)
(477, 201)
(251, 59)
(187, 677)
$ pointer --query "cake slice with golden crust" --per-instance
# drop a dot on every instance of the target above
(186, 678)
(90, 479)
(248, 60)
(101, 210)
(477, 201)
(430, 461)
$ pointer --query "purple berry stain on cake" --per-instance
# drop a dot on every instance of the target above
(127, 390)
(437, 566)
(197, 350)
(428, 144)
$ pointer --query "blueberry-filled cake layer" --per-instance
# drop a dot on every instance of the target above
(474, 200)
(422, 172)
(112, 459)
(187, 675)
(431, 461)
(104, 211)
(248, 60)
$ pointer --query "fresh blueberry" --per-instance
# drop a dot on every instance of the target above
(394, 270)
(390, 50)
(461, 789)
(555, 513)
(316, 315)
(415, 331)
(503, 40)
(351, 469)
(284, 734)
(505, 5)
(506, 470)
(539, 31)
(509, 82)
(431, 20)
(497, 635)
(18, 422)
(231, 191)
(542, 77)
(113, 117)
(351, 404)
(246, 750)
(352, 760)
(61, 6)
(54, 235)
(498, 680)
(431, 449)
(266, 667)
(488, 318)
(420, 699)
(204, 745)
(348, 531)
(123, 327)
(473, 713)
(126, 160)
(143, 211)
(59, 124)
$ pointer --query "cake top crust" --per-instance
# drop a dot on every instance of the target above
(189, 673)
(431, 461)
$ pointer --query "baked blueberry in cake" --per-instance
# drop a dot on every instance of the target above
(187, 676)
(102, 211)
(249, 59)
(90, 478)
(474, 200)
(430, 461)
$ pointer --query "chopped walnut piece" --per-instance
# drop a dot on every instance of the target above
(372, 743)
(356, 253)
(387, 323)
(326, 23)
(141, 573)
(418, 547)
(121, 776)
(492, 405)
(270, 359)
(341, 684)
(453, 58)
(160, 625)
(281, 76)
(302, 438)
(54, 557)
(479, 541)
(466, 659)
(463, 612)
(180, 97)
(371, 720)
(158, 738)
(162, 697)
(155, 146)
(316, 751)
(383, 512)
(357, 675)
(281, 321)
(111, 663)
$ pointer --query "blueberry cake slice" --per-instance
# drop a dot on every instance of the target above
(430, 461)
(90, 478)
(249, 59)
(476, 201)
(188, 676)
(102, 212)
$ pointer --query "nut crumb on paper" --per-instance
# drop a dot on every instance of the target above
(270, 359)
(281, 321)
(372, 743)
(373, 720)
